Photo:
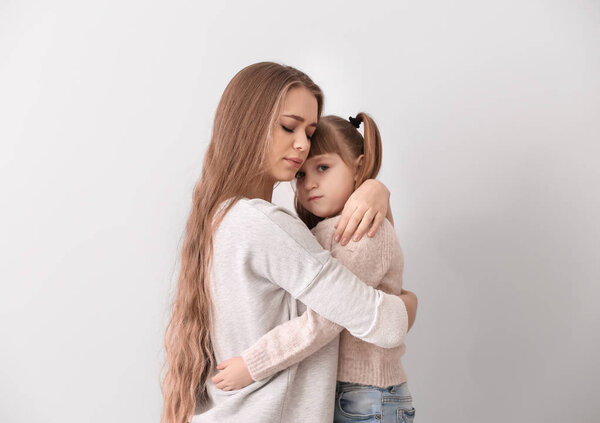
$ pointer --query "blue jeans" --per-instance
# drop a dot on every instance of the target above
(366, 404)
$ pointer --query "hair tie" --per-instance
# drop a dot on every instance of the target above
(354, 122)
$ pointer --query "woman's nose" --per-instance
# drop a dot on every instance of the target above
(301, 143)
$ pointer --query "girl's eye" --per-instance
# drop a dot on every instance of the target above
(299, 175)
(322, 168)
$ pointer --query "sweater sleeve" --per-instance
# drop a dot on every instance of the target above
(289, 343)
(289, 255)
(293, 341)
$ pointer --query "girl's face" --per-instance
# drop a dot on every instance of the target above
(291, 135)
(324, 184)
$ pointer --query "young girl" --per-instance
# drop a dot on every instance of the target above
(371, 381)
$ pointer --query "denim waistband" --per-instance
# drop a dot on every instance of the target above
(401, 389)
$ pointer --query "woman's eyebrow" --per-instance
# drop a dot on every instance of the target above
(300, 118)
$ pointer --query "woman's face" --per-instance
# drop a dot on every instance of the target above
(291, 135)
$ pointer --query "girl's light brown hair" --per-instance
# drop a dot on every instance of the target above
(234, 164)
(339, 136)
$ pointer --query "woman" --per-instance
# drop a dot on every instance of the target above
(245, 262)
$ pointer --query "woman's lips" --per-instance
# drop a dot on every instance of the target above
(294, 162)
(314, 197)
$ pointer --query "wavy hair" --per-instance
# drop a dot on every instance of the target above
(234, 163)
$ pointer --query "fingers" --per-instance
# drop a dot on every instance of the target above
(353, 223)
(344, 218)
(364, 225)
(223, 364)
(224, 386)
(220, 381)
(376, 223)
(219, 377)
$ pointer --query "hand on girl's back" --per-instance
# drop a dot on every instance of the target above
(233, 374)
(411, 302)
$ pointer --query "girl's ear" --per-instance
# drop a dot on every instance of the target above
(358, 163)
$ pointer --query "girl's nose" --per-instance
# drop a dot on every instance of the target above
(309, 183)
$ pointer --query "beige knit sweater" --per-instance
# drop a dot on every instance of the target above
(378, 262)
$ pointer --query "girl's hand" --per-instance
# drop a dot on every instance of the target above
(233, 375)
(366, 208)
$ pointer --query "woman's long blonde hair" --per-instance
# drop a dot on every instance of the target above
(339, 136)
(234, 164)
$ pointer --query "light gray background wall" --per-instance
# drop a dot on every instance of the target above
(489, 113)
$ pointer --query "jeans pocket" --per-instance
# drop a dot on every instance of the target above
(405, 415)
(359, 404)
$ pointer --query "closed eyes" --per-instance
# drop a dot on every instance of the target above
(292, 131)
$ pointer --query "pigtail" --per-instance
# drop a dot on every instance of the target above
(372, 150)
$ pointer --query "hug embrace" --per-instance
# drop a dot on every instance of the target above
(278, 317)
